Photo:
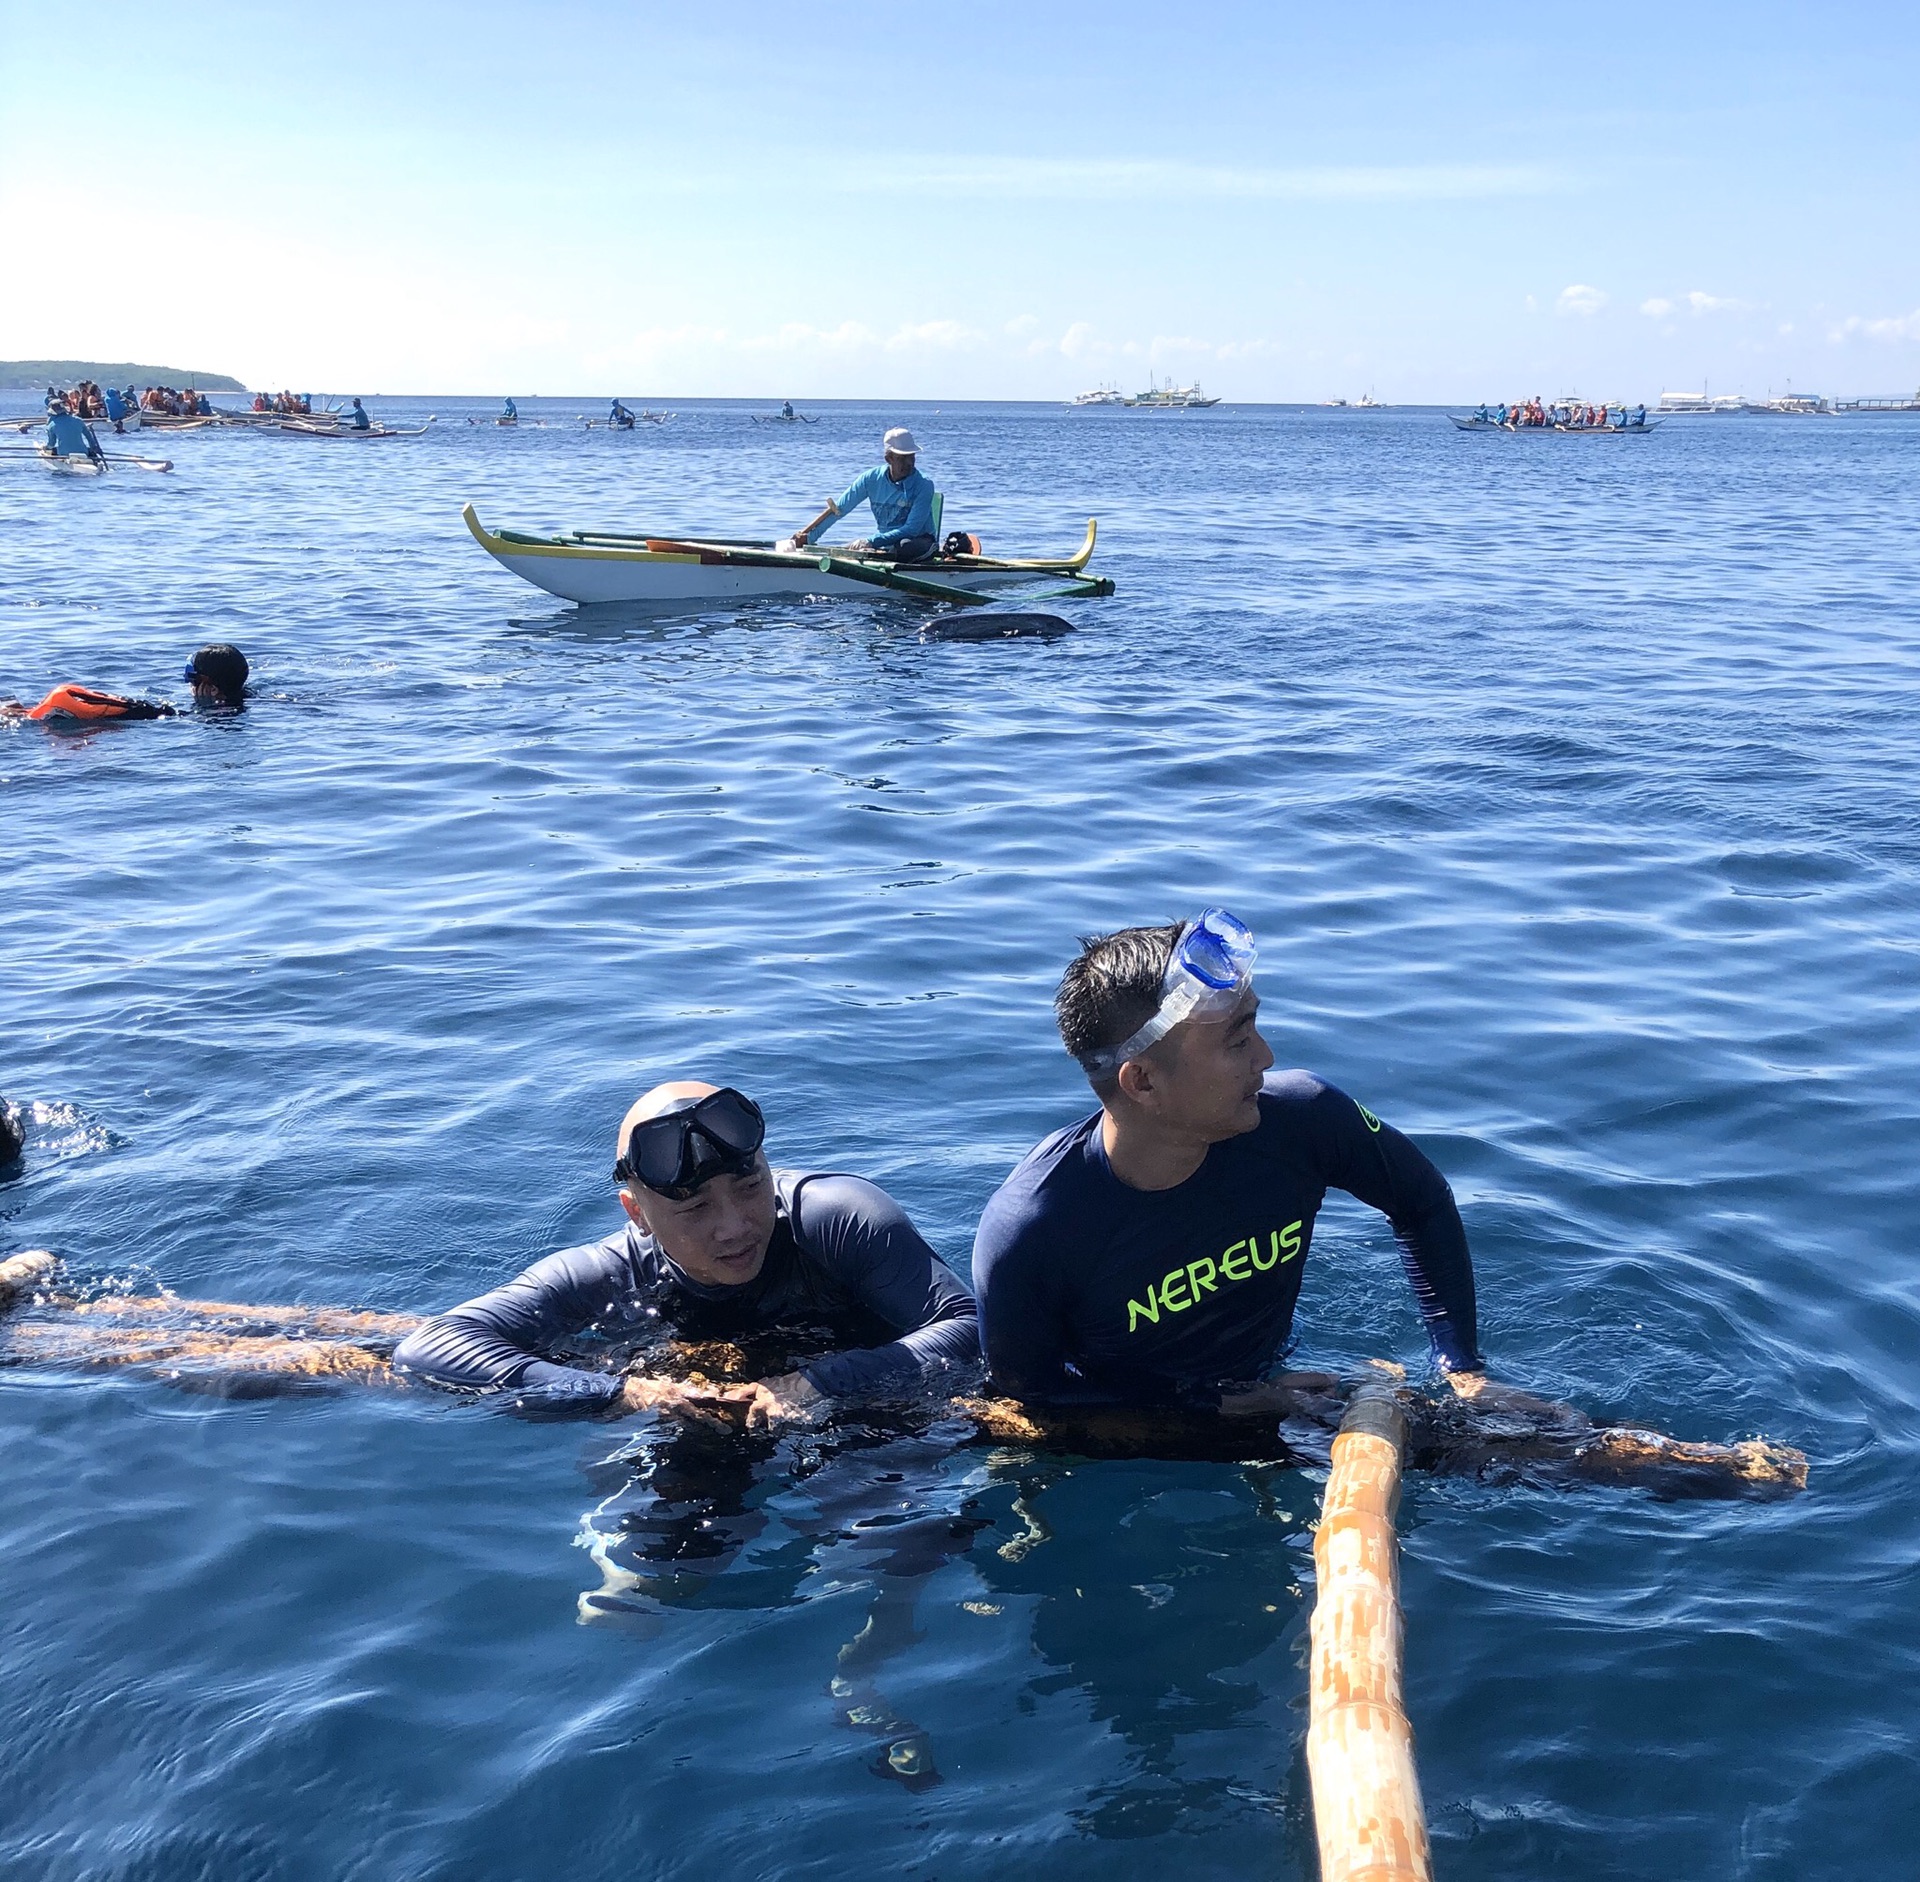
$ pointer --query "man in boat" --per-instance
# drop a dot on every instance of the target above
(216, 676)
(510, 413)
(69, 436)
(1151, 1254)
(618, 415)
(357, 419)
(786, 408)
(901, 500)
(718, 1245)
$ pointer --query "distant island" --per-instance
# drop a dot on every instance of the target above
(35, 375)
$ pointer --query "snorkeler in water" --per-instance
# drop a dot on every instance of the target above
(718, 1245)
(1152, 1252)
(216, 676)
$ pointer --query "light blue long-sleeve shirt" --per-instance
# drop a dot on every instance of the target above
(68, 436)
(901, 509)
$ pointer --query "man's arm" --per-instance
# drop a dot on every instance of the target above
(863, 1240)
(801, 537)
(855, 494)
(1015, 1255)
(1374, 1162)
(494, 1343)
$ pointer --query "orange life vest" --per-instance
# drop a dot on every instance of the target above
(89, 702)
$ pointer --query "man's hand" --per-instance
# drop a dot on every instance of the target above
(788, 1399)
(1313, 1395)
(712, 1405)
(1493, 1400)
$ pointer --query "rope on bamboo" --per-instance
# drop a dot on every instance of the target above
(1366, 1793)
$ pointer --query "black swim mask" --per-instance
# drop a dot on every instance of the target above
(675, 1153)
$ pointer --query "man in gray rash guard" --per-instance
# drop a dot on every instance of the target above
(717, 1245)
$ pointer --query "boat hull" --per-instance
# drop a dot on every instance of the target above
(1554, 431)
(594, 572)
(71, 466)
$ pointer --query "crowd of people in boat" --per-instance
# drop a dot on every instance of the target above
(284, 404)
(89, 402)
(1531, 414)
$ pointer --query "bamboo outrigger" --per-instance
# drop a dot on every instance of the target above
(236, 1349)
(1367, 1811)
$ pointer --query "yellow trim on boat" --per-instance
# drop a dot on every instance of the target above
(1050, 565)
(566, 552)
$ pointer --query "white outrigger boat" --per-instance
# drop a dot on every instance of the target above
(327, 428)
(74, 465)
(599, 565)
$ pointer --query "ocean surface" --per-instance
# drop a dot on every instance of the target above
(1571, 787)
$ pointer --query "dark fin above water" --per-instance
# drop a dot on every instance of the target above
(995, 625)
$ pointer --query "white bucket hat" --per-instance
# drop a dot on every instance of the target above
(899, 443)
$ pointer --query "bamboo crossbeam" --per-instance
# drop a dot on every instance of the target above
(1366, 1793)
(250, 1345)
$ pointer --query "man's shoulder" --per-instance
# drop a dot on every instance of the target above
(816, 1200)
(616, 1256)
(1281, 1092)
(1051, 1177)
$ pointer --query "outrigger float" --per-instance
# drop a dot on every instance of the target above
(603, 565)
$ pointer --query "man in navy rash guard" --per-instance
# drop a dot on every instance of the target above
(717, 1245)
(1152, 1253)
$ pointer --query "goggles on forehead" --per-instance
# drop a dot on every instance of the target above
(675, 1153)
(1211, 968)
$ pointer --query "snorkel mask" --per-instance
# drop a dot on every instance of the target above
(675, 1153)
(1211, 968)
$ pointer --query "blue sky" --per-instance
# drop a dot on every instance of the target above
(1288, 202)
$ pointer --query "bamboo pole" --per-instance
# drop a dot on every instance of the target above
(1366, 1793)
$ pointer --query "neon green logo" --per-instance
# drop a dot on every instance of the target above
(1373, 1123)
(1181, 1288)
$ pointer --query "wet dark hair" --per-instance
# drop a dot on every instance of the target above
(1112, 988)
(10, 1137)
(225, 666)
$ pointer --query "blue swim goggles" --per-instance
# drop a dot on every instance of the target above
(1211, 968)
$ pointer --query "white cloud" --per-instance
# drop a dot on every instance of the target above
(1579, 299)
(935, 336)
(1077, 339)
(1714, 304)
(1898, 327)
(1022, 323)
(1656, 309)
(1122, 180)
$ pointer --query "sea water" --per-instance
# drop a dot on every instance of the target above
(1570, 784)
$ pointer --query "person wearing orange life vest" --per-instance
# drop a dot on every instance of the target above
(216, 675)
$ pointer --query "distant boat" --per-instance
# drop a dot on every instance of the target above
(317, 427)
(1608, 430)
(1341, 403)
(1796, 405)
(1366, 402)
(1170, 398)
(1100, 395)
(1676, 403)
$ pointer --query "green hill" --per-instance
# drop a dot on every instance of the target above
(37, 374)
